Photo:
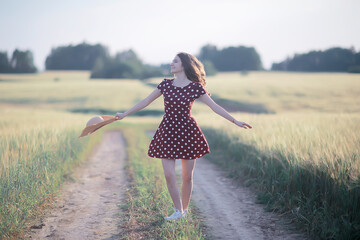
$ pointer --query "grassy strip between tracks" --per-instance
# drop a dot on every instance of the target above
(148, 200)
(326, 207)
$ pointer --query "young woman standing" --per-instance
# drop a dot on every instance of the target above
(178, 135)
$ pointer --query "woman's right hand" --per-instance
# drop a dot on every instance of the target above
(119, 116)
(242, 124)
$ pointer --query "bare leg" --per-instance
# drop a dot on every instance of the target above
(188, 167)
(170, 176)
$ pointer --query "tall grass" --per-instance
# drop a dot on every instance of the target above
(35, 159)
(307, 165)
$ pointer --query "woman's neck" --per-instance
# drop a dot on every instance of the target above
(181, 78)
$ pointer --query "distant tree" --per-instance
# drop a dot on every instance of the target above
(5, 66)
(357, 58)
(208, 52)
(355, 68)
(110, 68)
(125, 64)
(79, 57)
(331, 60)
(238, 59)
(231, 58)
(281, 66)
(337, 60)
(165, 68)
(305, 62)
(128, 55)
(151, 71)
(209, 68)
(130, 59)
(22, 62)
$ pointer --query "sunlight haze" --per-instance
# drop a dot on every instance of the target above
(157, 30)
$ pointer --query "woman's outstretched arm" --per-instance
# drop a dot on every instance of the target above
(221, 111)
(140, 105)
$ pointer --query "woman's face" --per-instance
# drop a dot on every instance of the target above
(176, 65)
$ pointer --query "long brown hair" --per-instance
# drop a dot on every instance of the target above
(193, 68)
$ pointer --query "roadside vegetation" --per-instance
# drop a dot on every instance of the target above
(304, 166)
(38, 151)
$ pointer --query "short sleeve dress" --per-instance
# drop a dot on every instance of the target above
(178, 135)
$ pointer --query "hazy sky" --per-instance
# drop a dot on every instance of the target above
(157, 30)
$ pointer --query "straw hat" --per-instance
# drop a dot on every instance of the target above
(97, 122)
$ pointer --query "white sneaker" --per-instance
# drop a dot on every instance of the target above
(185, 213)
(175, 216)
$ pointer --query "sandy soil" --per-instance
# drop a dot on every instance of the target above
(89, 208)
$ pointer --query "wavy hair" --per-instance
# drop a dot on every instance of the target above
(193, 68)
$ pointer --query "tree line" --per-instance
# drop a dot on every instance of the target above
(239, 58)
(20, 62)
(127, 64)
(331, 60)
(96, 58)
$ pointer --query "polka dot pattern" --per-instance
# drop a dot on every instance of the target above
(178, 135)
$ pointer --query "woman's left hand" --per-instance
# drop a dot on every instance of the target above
(120, 116)
(242, 124)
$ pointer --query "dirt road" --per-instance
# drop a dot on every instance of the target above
(229, 210)
(89, 208)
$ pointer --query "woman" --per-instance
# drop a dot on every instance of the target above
(178, 135)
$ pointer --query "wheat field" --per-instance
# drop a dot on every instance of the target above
(302, 120)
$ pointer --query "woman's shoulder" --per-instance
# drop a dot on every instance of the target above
(198, 84)
(201, 88)
(166, 81)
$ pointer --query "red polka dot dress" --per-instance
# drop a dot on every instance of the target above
(178, 135)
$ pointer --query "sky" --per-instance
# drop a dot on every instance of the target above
(157, 30)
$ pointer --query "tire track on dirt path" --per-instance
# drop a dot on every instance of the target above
(89, 208)
(230, 211)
